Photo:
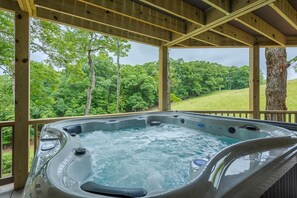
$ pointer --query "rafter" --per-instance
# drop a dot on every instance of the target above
(232, 32)
(259, 25)
(250, 20)
(287, 11)
(236, 34)
(142, 13)
(239, 11)
(145, 14)
(100, 16)
(9, 5)
(27, 6)
(89, 25)
(178, 8)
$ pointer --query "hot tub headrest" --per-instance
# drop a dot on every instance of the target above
(74, 129)
(92, 187)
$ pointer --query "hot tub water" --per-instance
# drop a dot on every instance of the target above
(156, 158)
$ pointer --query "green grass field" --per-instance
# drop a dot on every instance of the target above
(233, 100)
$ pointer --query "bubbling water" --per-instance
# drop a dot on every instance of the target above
(155, 158)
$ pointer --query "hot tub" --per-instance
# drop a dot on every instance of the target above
(203, 156)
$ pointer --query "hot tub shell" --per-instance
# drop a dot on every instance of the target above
(246, 169)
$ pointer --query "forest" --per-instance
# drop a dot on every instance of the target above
(59, 93)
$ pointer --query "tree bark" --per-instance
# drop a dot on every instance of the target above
(13, 84)
(118, 77)
(169, 85)
(276, 85)
(92, 83)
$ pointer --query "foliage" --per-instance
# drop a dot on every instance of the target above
(6, 43)
(7, 163)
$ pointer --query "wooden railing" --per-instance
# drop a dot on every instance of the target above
(6, 159)
(281, 116)
(272, 115)
(236, 114)
(37, 124)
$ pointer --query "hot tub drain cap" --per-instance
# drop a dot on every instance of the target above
(80, 151)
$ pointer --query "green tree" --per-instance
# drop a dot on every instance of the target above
(139, 89)
(67, 47)
(7, 45)
(44, 82)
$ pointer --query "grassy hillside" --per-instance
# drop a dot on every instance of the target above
(233, 100)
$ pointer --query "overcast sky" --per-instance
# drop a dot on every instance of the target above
(140, 54)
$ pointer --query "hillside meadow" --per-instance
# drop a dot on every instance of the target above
(233, 100)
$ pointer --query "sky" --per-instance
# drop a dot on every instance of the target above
(141, 53)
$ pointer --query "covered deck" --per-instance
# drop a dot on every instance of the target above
(166, 24)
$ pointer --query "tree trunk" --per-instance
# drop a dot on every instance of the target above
(92, 84)
(276, 85)
(13, 84)
(169, 85)
(118, 77)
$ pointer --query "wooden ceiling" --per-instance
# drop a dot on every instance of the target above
(175, 23)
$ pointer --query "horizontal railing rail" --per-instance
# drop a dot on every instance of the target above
(237, 114)
(37, 124)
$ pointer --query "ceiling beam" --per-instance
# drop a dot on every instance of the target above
(141, 13)
(224, 29)
(259, 25)
(236, 12)
(209, 38)
(262, 41)
(100, 16)
(178, 8)
(250, 20)
(89, 25)
(147, 15)
(236, 34)
(286, 10)
(27, 6)
(9, 5)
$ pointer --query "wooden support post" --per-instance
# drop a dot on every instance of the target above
(164, 100)
(22, 100)
(254, 96)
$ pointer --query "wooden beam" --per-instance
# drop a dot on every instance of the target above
(164, 101)
(27, 6)
(254, 87)
(286, 10)
(166, 6)
(141, 13)
(179, 8)
(22, 99)
(222, 6)
(209, 38)
(239, 11)
(89, 25)
(9, 5)
(145, 14)
(259, 25)
(235, 34)
(224, 43)
(100, 16)
(250, 20)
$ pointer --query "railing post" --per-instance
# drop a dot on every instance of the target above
(254, 87)
(164, 100)
(22, 100)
